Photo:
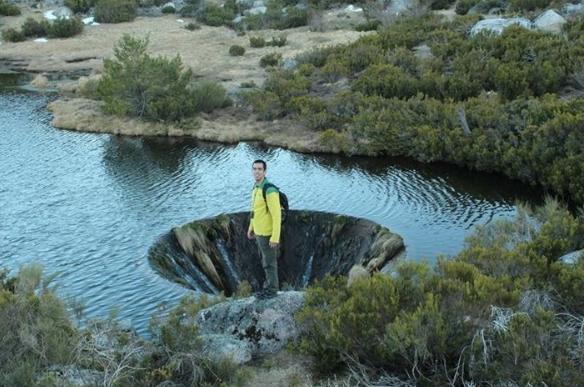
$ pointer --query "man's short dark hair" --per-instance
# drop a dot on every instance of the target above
(261, 162)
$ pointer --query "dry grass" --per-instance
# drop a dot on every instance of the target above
(206, 50)
(227, 126)
(280, 370)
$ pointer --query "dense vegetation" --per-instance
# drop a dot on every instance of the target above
(486, 102)
(7, 9)
(505, 311)
(115, 11)
(60, 28)
(40, 342)
(153, 88)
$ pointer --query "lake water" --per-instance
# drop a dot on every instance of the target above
(89, 206)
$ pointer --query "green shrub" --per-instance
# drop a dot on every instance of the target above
(34, 28)
(528, 5)
(486, 313)
(178, 356)
(257, 41)
(79, 6)
(265, 104)
(236, 50)
(317, 56)
(369, 25)
(287, 85)
(248, 85)
(168, 9)
(35, 329)
(209, 96)
(115, 11)
(463, 6)
(279, 41)
(387, 81)
(333, 71)
(136, 84)
(272, 59)
(190, 10)
(7, 9)
(313, 113)
(441, 4)
(13, 35)
(253, 23)
(214, 15)
(359, 57)
(65, 28)
(192, 26)
(334, 141)
(292, 18)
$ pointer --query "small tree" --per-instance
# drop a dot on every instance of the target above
(136, 84)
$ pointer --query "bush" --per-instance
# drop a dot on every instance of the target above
(190, 10)
(317, 56)
(313, 112)
(65, 28)
(79, 6)
(488, 313)
(136, 84)
(257, 41)
(209, 96)
(441, 4)
(34, 28)
(192, 26)
(214, 15)
(8, 9)
(178, 356)
(279, 41)
(272, 59)
(265, 104)
(35, 329)
(293, 18)
(528, 5)
(236, 50)
(463, 6)
(13, 35)
(334, 141)
(248, 85)
(387, 81)
(115, 11)
(168, 9)
(369, 25)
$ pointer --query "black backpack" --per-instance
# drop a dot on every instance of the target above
(283, 199)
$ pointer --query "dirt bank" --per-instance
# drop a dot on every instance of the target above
(227, 126)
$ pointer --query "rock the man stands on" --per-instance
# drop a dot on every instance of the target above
(265, 225)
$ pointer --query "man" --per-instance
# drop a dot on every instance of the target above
(265, 226)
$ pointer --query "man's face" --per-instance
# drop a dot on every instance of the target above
(258, 171)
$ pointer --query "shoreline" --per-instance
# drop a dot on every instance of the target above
(228, 126)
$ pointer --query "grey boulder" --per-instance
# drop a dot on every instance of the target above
(498, 25)
(550, 21)
(266, 325)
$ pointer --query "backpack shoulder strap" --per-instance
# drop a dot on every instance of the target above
(266, 187)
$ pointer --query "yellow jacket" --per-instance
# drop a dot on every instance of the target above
(266, 218)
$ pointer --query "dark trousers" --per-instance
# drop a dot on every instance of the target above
(269, 262)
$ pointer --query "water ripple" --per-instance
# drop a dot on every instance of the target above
(88, 206)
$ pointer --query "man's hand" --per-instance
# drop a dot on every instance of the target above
(273, 245)
(250, 234)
